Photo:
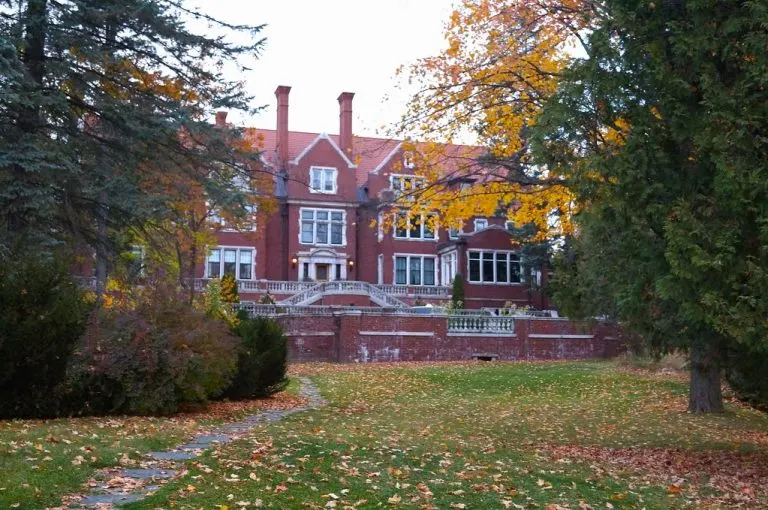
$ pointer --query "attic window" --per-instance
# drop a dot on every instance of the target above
(408, 160)
(323, 179)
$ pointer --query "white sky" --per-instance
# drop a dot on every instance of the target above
(322, 48)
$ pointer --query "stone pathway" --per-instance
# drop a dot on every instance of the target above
(124, 485)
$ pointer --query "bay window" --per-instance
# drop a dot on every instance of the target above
(230, 260)
(494, 267)
(322, 226)
(415, 270)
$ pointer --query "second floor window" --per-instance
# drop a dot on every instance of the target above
(400, 183)
(415, 227)
(481, 224)
(322, 179)
(322, 226)
(235, 261)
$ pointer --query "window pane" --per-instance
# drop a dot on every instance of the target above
(316, 177)
(401, 270)
(329, 183)
(230, 261)
(415, 227)
(481, 224)
(307, 215)
(322, 233)
(305, 270)
(214, 264)
(501, 267)
(429, 271)
(322, 215)
(336, 237)
(246, 264)
(338, 272)
(514, 268)
(488, 267)
(401, 229)
(415, 270)
(306, 231)
(337, 216)
(397, 183)
(429, 233)
(474, 270)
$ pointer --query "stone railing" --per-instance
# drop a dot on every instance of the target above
(263, 286)
(259, 310)
(481, 324)
(520, 312)
(343, 287)
(415, 290)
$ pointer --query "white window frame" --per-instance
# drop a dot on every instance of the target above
(408, 257)
(450, 266)
(455, 235)
(408, 236)
(509, 225)
(237, 249)
(328, 221)
(508, 253)
(408, 160)
(416, 182)
(479, 221)
(323, 175)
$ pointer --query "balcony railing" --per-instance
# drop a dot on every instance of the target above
(481, 324)
(416, 290)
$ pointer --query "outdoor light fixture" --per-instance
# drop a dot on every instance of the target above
(351, 264)
(294, 261)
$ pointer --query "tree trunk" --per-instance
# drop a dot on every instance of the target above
(706, 395)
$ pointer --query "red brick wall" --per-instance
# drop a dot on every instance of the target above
(370, 337)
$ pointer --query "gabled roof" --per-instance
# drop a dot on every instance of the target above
(369, 154)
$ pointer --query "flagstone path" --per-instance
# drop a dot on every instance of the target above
(124, 485)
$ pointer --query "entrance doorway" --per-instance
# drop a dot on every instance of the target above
(321, 272)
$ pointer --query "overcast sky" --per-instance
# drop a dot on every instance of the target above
(322, 48)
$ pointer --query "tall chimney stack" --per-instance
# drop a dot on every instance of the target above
(282, 124)
(221, 119)
(345, 122)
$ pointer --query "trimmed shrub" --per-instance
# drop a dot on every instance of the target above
(151, 359)
(746, 375)
(262, 359)
(42, 315)
(457, 296)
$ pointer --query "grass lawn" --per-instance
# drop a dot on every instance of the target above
(42, 460)
(497, 435)
(459, 435)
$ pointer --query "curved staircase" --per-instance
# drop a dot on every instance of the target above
(341, 287)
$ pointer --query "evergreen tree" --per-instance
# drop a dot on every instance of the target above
(663, 128)
(104, 117)
(457, 295)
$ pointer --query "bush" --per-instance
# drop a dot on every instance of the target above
(42, 315)
(457, 296)
(228, 290)
(746, 375)
(262, 360)
(151, 359)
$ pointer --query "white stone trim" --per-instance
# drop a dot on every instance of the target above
(565, 337)
(397, 333)
(323, 136)
(309, 333)
(387, 158)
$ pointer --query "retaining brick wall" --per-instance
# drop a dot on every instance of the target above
(371, 337)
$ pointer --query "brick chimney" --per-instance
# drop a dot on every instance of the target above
(221, 119)
(345, 122)
(281, 93)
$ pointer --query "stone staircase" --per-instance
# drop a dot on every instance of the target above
(342, 287)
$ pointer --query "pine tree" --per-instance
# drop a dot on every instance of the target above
(457, 295)
(662, 128)
(104, 114)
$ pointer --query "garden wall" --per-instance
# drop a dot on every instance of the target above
(353, 336)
